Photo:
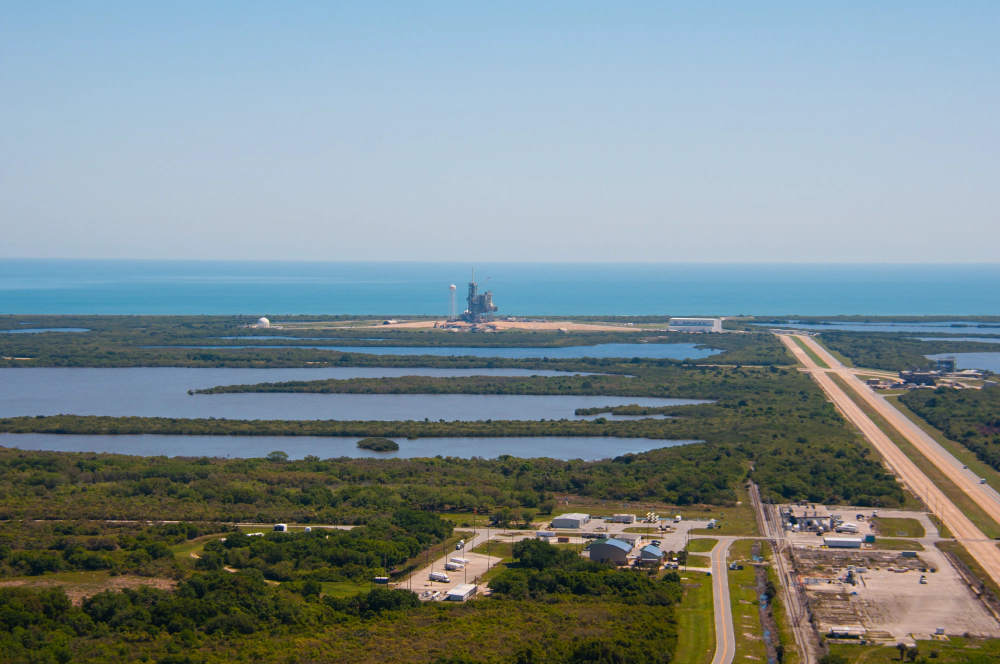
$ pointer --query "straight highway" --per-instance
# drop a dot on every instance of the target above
(725, 632)
(979, 546)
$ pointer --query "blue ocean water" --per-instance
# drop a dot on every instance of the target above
(520, 289)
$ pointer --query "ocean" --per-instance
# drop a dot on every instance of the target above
(50, 286)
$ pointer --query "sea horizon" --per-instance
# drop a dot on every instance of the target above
(42, 286)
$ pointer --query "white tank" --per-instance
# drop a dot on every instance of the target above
(263, 323)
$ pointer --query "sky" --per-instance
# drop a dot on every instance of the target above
(516, 131)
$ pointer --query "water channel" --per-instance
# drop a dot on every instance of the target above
(163, 392)
(587, 448)
(652, 351)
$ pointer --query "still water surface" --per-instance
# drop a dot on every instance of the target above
(653, 351)
(944, 327)
(587, 448)
(162, 392)
(990, 361)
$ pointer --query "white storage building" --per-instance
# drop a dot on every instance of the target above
(462, 592)
(623, 518)
(571, 520)
(843, 542)
(695, 325)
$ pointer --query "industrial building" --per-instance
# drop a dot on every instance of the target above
(571, 520)
(623, 518)
(634, 539)
(695, 325)
(481, 307)
(461, 592)
(610, 550)
(651, 555)
(809, 517)
(917, 377)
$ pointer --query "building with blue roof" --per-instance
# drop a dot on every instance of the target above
(651, 555)
(610, 550)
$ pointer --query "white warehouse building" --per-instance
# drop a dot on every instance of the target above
(695, 325)
(571, 520)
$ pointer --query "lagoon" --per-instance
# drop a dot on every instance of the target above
(588, 448)
(988, 361)
(651, 351)
(163, 392)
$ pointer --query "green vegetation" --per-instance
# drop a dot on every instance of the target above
(378, 445)
(745, 605)
(958, 550)
(968, 417)
(330, 555)
(200, 341)
(899, 527)
(695, 621)
(956, 495)
(955, 448)
(701, 545)
(956, 650)
(771, 418)
(810, 352)
(897, 544)
(894, 351)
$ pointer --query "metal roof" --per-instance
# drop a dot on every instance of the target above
(462, 589)
(618, 544)
(653, 550)
(572, 515)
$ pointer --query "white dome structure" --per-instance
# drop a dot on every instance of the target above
(263, 323)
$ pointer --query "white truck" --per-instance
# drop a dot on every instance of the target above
(440, 577)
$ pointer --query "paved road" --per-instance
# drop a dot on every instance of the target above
(725, 634)
(981, 548)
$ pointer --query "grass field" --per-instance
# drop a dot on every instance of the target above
(787, 638)
(696, 621)
(344, 588)
(846, 361)
(811, 353)
(900, 527)
(897, 544)
(195, 546)
(701, 562)
(745, 606)
(701, 545)
(961, 500)
(953, 651)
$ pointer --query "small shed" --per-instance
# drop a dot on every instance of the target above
(610, 550)
(462, 592)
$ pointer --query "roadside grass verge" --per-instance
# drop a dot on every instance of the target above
(745, 605)
(957, 450)
(700, 562)
(897, 544)
(785, 635)
(846, 361)
(961, 499)
(811, 353)
(701, 545)
(899, 527)
(953, 651)
(695, 621)
(960, 552)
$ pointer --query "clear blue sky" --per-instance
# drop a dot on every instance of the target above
(574, 131)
